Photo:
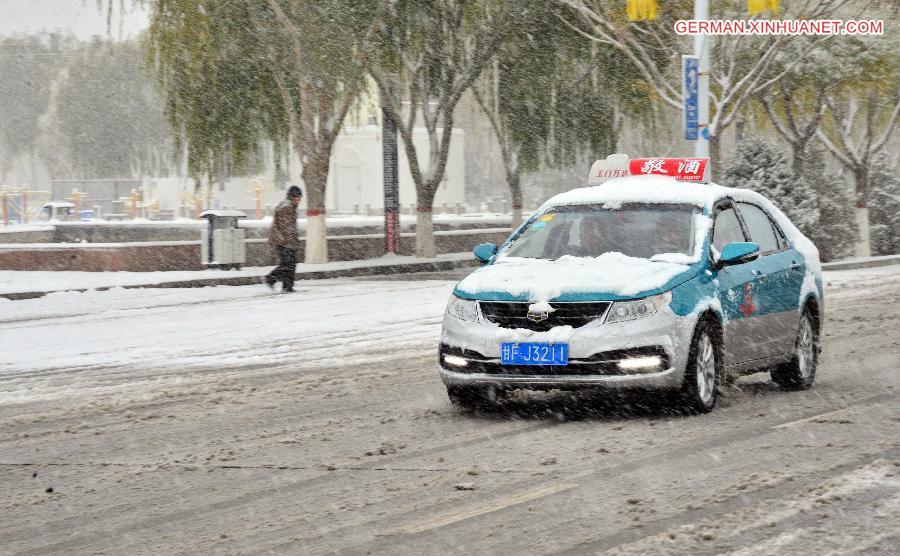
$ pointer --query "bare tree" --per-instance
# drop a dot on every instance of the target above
(860, 128)
(509, 150)
(795, 105)
(740, 65)
(316, 92)
(235, 72)
(796, 124)
(863, 110)
(857, 129)
(431, 53)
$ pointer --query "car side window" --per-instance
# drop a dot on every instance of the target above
(727, 228)
(760, 227)
(782, 240)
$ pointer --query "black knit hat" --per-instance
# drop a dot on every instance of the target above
(294, 191)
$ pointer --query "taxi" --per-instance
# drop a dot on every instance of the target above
(649, 278)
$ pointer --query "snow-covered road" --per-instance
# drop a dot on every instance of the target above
(126, 338)
(235, 420)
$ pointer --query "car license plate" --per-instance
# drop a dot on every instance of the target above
(533, 353)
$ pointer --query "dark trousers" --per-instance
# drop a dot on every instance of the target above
(287, 267)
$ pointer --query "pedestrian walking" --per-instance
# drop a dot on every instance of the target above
(283, 238)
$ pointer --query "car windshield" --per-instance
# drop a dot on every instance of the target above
(636, 230)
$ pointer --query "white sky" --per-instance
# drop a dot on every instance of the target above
(81, 18)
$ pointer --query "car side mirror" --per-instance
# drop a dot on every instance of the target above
(484, 251)
(738, 252)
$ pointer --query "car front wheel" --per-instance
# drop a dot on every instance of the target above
(801, 371)
(704, 370)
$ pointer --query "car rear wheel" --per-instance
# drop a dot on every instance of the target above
(704, 370)
(801, 371)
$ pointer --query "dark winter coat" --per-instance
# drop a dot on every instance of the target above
(284, 226)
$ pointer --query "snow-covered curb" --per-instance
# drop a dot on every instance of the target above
(868, 262)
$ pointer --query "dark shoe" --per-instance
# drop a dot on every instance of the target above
(269, 281)
(287, 290)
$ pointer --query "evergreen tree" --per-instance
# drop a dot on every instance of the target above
(762, 167)
(884, 210)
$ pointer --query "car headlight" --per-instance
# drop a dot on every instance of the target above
(631, 310)
(465, 310)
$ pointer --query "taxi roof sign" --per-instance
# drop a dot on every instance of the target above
(615, 166)
(619, 165)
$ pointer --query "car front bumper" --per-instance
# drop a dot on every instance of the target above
(482, 340)
(662, 379)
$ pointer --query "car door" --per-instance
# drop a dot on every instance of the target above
(779, 277)
(735, 285)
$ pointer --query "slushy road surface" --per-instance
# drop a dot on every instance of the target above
(234, 420)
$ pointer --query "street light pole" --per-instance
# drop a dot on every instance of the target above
(391, 183)
(701, 50)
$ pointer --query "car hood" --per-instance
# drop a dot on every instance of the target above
(609, 277)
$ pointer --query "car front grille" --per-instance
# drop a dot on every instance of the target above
(605, 363)
(514, 314)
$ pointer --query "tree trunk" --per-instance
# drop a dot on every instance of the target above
(209, 191)
(513, 179)
(798, 160)
(862, 246)
(315, 178)
(714, 157)
(425, 246)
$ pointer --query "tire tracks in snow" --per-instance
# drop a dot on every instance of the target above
(610, 473)
(767, 495)
(605, 473)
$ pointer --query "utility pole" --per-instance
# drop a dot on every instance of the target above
(701, 51)
(391, 183)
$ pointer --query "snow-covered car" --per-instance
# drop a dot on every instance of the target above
(642, 281)
(56, 210)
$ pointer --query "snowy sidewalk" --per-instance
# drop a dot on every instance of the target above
(28, 285)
